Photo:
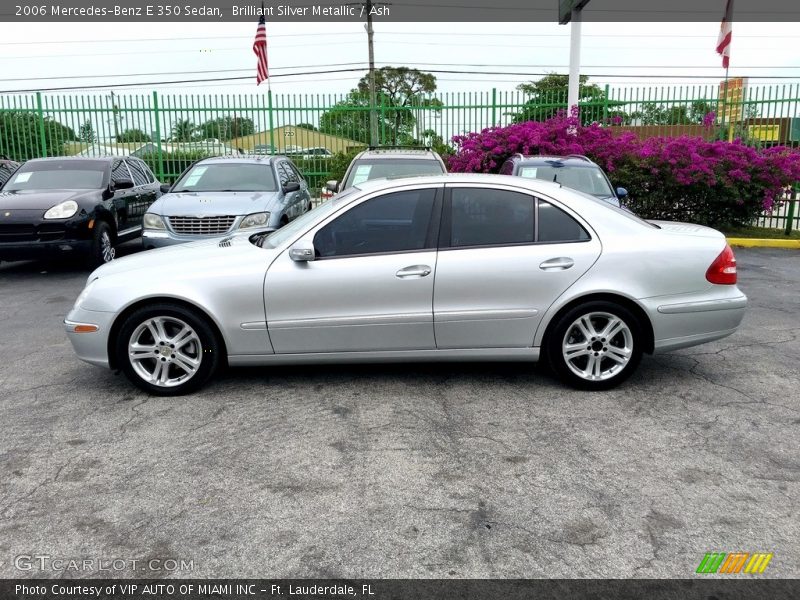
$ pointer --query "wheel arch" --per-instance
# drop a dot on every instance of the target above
(101, 213)
(631, 305)
(130, 309)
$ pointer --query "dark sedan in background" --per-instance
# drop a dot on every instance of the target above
(54, 207)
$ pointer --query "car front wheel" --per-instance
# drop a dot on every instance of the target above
(167, 350)
(102, 250)
(596, 345)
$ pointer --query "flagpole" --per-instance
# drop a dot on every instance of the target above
(271, 125)
(725, 111)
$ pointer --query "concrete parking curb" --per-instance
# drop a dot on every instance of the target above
(764, 243)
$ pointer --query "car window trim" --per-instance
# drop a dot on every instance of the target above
(128, 162)
(446, 243)
(431, 237)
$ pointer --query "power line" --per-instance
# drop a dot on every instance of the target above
(387, 63)
(152, 84)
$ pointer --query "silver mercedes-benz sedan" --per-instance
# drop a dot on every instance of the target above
(459, 267)
(226, 194)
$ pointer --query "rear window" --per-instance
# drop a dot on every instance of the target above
(58, 175)
(366, 169)
(589, 180)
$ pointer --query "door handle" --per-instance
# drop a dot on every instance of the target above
(561, 263)
(414, 271)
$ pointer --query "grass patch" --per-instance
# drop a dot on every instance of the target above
(760, 232)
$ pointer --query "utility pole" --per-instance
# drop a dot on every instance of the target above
(373, 117)
(115, 115)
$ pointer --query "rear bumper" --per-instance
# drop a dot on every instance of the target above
(697, 320)
(36, 250)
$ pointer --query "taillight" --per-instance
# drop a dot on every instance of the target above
(723, 269)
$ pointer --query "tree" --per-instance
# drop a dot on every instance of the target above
(226, 128)
(308, 126)
(133, 135)
(183, 131)
(349, 118)
(21, 135)
(400, 89)
(549, 95)
(86, 132)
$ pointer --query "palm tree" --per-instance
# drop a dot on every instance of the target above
(183, 131)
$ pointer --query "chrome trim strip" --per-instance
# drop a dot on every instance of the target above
(398, 319)
(254, 326)
(704, 306)
(483, 315)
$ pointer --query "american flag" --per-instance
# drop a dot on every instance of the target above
(725, 35)
(260, 49)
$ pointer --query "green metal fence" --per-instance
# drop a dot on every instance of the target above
(171, 130)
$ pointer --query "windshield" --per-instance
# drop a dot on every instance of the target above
(58, 175)
(228, 177)
(285, 233)
(366, 169)
(589, 180)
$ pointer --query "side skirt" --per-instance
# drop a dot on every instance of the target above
(400, 356)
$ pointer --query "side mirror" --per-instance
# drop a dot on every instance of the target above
(165, 188)
(621, 192)
(123, 184)
(302, 251)
(331, 185)
(290, 187)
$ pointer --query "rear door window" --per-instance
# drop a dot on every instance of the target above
(490, 217)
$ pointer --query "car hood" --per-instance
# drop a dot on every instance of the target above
(687, 229)
(209, 204)
(40, 200)
(185, 259)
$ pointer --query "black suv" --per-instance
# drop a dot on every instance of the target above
(58, 206)
(574, 171)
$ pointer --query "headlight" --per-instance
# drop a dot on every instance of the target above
(153, 221)
(84, 294)
(254, 220)
(62, 211)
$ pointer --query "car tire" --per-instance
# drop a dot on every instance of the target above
(310, 207)
(595, 346)
(185, 349)
(284, 221)
(103, 247)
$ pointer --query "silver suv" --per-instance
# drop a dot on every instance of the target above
(223, 195)
(398, 161)
(574, 171)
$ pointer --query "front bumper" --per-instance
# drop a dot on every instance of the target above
(37, 250)
(91, 347)
(160, 239)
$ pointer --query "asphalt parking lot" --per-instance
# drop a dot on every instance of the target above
(403, 471)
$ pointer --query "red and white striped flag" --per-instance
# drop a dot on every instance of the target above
(725, 35)
(260, 49)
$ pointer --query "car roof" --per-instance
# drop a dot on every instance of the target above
(577, 160)
(258, 159)
(107, 158)
(399, 153)
(534, 185)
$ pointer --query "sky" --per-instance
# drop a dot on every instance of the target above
(632, 58)
(621, 54)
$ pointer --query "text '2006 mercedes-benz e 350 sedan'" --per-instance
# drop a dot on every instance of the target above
(460, 267)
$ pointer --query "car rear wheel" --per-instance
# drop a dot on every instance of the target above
(167, 350)
(596, 345)
(103, 245)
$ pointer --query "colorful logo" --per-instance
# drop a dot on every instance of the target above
(734, 562)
